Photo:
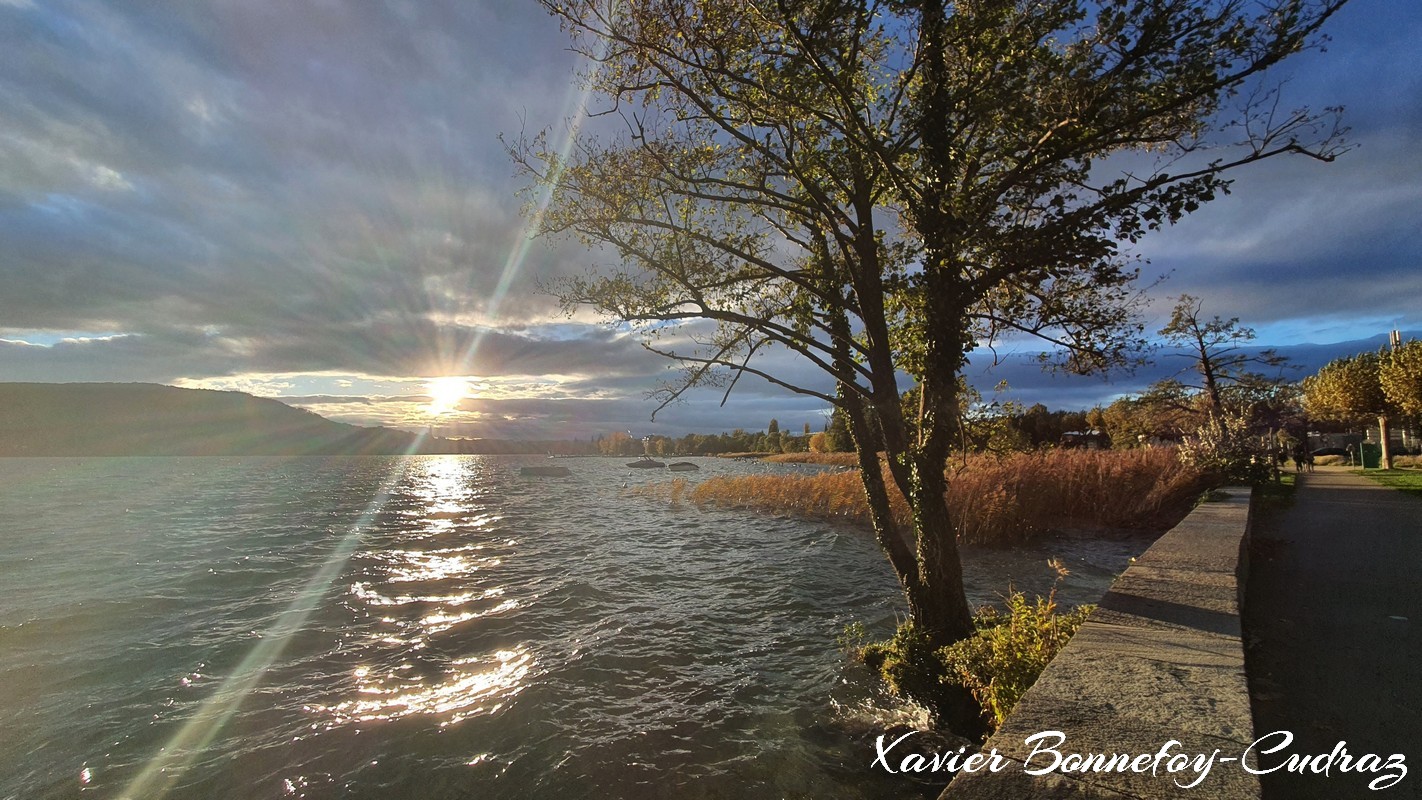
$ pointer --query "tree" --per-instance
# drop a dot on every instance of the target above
(837, 438)
(1161, 412)
(1228, 384)
(1349, 388)
(1217, 350)
(882, 186)
(1400, 376)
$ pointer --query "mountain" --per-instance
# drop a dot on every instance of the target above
(144, 419)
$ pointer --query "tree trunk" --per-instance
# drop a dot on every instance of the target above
(942, 610)
(1384, 434)
(940, 606)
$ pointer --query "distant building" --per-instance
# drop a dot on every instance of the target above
(1084, 440)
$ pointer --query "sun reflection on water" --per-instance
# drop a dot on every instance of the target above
(371, 597)
(438, 574)
(412, 566)
(471, 687)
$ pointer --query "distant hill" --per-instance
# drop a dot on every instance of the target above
(144, 419)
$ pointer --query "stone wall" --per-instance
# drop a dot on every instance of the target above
(1159, 660)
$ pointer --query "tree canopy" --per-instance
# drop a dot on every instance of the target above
(1346, 388)
(882, 186)
(1350, 389)
(1400, 377)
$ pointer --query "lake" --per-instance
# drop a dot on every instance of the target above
(442, 627)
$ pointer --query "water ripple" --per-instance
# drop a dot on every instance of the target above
(490, 635)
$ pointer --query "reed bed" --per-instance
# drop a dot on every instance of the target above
(672, 491)
(995, 500)
(829, 495)
(827, 459)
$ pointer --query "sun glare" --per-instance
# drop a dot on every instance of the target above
(445, 394)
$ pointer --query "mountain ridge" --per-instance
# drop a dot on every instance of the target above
(148, 419)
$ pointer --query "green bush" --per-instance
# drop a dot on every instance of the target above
(996, 665)
(1010, 650)
(912, 670)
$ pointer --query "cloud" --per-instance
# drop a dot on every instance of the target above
(1306, 239)
(256, 191)
(266, 161)
(391, 347)
(1028, 383)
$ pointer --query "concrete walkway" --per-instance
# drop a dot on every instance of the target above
(1333, 631)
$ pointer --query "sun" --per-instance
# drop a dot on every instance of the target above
(445, 394)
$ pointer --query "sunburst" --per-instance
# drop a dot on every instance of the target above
(446, 394)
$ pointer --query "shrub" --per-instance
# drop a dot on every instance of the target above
(1009, 651)
(1224, 449)
(813, 457)
(996, 665)
(911, 669)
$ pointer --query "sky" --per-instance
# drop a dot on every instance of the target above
(311, 201)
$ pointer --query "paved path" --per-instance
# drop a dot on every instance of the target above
(1333, 631)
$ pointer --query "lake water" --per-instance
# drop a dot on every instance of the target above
(440, 627)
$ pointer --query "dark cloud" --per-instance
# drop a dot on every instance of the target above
(265, 161)
(122, 358)
(1298, 238)
(396, 348)
(1028, 383)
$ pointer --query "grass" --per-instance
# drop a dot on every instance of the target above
(995, 500)
(1402, 480)
(1398, 462)
(1271, 497)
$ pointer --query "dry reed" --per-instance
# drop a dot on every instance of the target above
(672, 491)
(995, 500)
(828, 459)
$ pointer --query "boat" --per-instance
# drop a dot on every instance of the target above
(682, 466)
(646, 462)
(546, 472)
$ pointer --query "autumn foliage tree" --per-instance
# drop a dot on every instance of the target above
(1349, 389)
(1400, 375)
(881, 186)
(1380, 385)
